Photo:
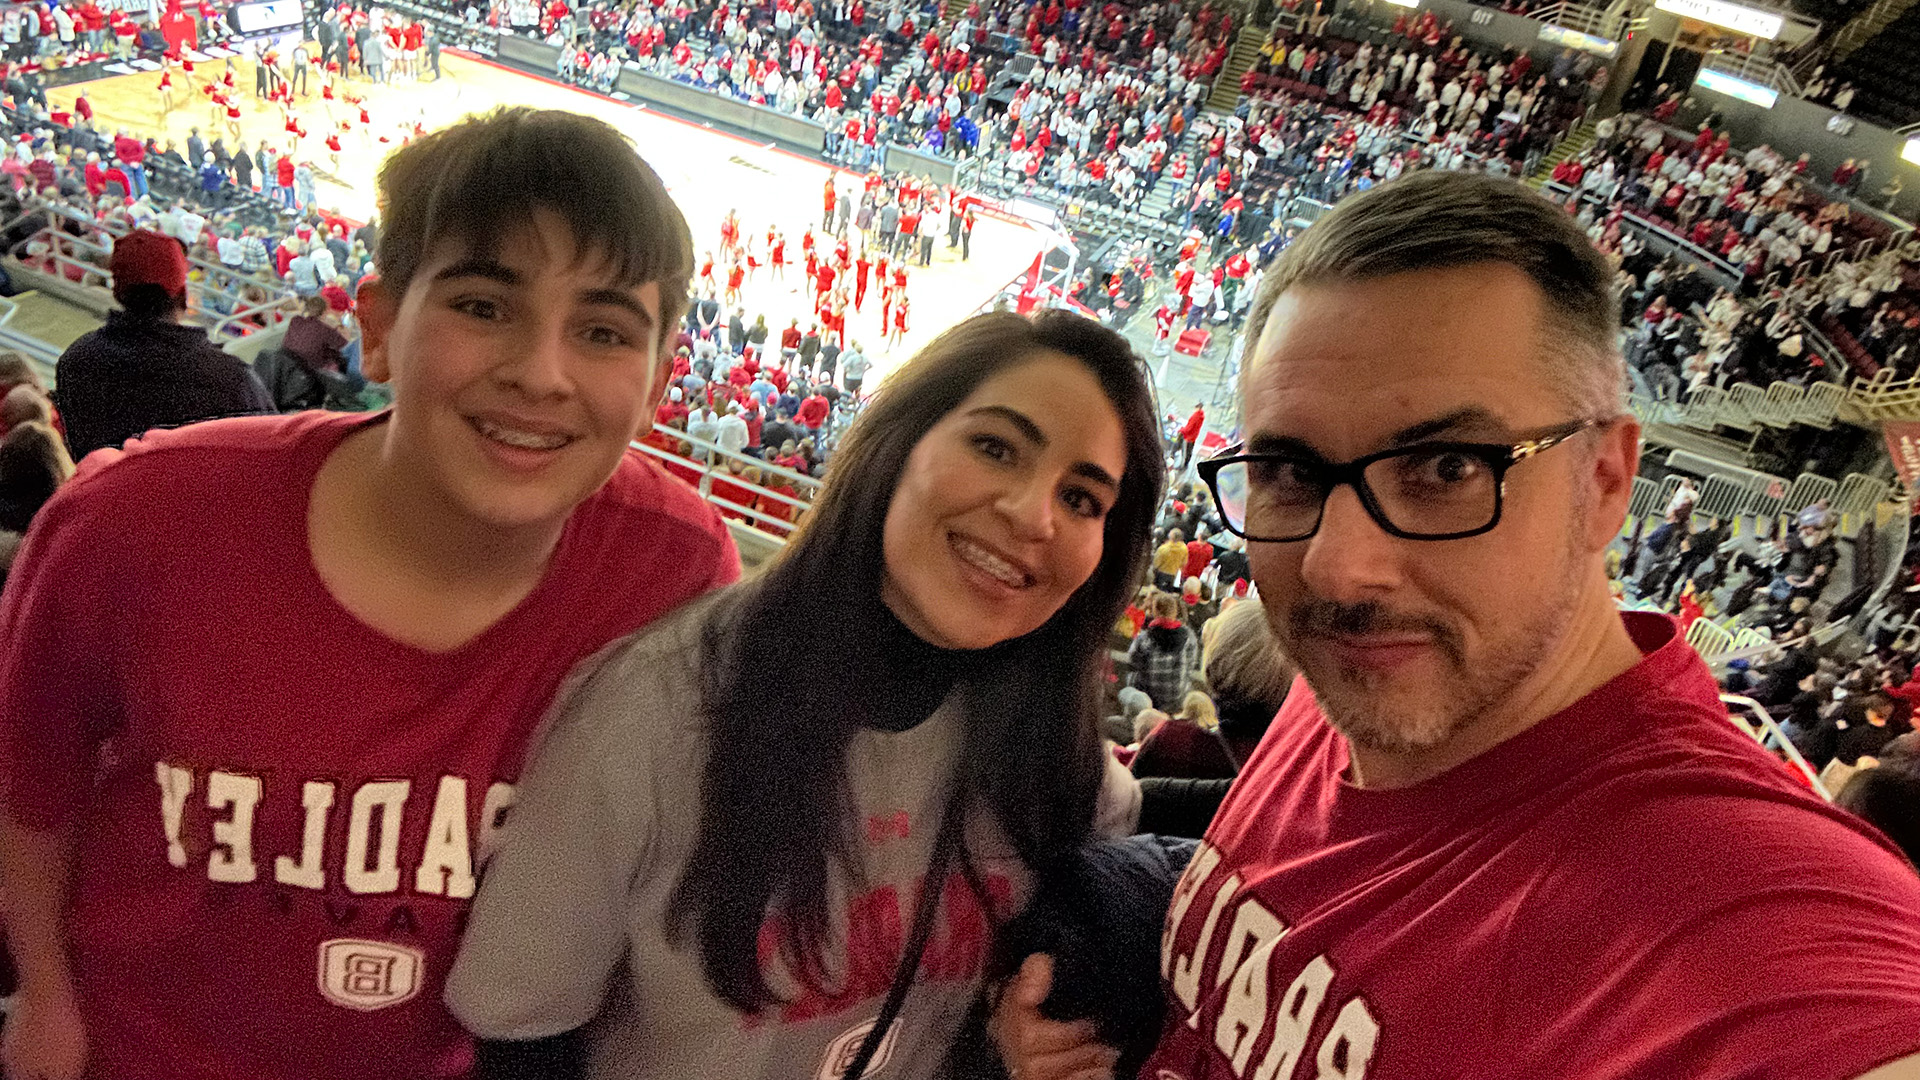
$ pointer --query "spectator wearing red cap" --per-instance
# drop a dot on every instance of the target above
(143, 369)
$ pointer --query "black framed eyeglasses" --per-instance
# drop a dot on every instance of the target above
(1426, 491)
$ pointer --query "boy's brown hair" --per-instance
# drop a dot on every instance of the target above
(482, 178)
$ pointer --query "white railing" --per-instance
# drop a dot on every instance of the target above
(1607, 23)
(702, 474)
(1767, 732)
(219, 296)
(1760, 70)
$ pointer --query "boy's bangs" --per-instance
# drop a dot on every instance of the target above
(480, 182)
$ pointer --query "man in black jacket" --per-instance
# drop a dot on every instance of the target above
(144, 370)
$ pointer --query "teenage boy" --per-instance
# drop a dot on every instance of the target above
(266, 683)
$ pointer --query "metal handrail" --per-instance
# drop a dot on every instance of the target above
(216, 277)
(1770, 729)
(284, 308)
(1763, 70)
(1585, 18)
(711, 469)
(210, 269)
(1738, 274)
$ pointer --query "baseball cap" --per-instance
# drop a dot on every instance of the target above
(145, 257)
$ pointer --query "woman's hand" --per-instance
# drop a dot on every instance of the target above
(1036, 1048)
(44, 1038)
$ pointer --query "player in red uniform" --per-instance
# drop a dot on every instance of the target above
(199, 872)
(777, 255)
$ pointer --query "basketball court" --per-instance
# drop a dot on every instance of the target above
(709, 173)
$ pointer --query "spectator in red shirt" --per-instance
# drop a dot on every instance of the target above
(1199, 553)
(814, 411)
(464, 612)
(1488, 695)
(1190, 433)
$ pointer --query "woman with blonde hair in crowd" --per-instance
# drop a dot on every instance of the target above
(1246, 672)
(729, 855)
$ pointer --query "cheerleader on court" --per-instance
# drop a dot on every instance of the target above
(899, 328)
(735, 276)
(165, 94)
(327, 91)
(292, 123)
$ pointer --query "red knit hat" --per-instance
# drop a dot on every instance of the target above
(144, 257)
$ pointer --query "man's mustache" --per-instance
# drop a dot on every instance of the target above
(1330, 618)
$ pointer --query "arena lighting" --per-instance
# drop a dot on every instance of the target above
(1405, 3)
(1722, 83)
(1911, 152)
(1751, 21)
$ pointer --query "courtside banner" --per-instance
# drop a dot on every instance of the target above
(1903, 445)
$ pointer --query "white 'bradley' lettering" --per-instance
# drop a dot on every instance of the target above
(383, 876)
(1244, 1009)
(231, 857)
(1293, 1019)
(446, 864)
(1205, 858)
(1186, 970)
(366, 861)
(1247, 1021)
(175, 785)
(310, 872)
(1348, 1046)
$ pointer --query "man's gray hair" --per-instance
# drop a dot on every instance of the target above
(1437, 219)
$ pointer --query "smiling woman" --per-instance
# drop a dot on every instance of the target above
(936, 626)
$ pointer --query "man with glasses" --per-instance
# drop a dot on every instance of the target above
(1503, 830)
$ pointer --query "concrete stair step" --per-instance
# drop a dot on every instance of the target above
(52, 320)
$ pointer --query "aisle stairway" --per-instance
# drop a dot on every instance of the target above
(1226, 88)
(1866, 25)
(50, 319)
(1573, 145)
(1159, 202)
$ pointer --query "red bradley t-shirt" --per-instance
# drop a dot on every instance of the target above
(1631, 889)
(280, 836)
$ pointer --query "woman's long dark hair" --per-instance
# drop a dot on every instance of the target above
(774, 800)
